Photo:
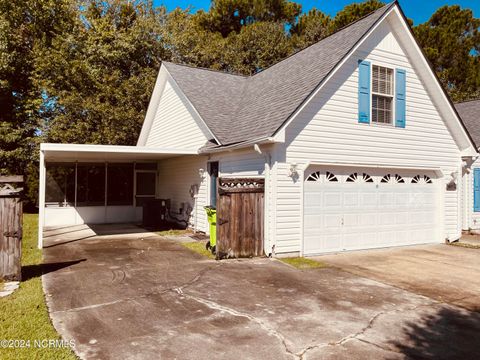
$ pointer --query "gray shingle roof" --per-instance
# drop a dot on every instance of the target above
(238, 108)
(469, 111)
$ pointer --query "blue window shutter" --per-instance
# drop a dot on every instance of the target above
(476, 189)
(363, 91)
(400, 97)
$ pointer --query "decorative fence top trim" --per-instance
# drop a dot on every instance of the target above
(9, 185)
(11, 179)
(241, 185)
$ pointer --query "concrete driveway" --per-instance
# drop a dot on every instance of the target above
(139, 296)
(445, 273)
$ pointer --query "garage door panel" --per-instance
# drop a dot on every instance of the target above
(313, 224)
(403, 237)
(401, 199)
(333, 221)
(386, 218)
(386, 199)
(352, 220)
(359, 219)
(313, 199)
(368, 219)
(382, 210)
(401, 218)
(350, 199)
(322, 243)
(368, 199)
(333, 199)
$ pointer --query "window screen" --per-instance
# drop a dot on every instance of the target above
(145, 187)
(60, 185)
(381, 109)
(120, 184)
(146, 183)
(91, 185)
(382, 80)
(382, 97)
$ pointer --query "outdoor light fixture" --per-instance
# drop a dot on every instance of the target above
(454, 176)
(293, 170)
(201, 173)
(452, 183)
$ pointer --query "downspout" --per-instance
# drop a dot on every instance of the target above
(466, 205)
(268, 165)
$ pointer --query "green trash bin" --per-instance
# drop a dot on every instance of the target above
(212, 220)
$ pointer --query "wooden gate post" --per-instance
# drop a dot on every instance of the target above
(11, 216)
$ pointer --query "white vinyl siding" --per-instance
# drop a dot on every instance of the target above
(175, 178)
(240, 163)
(327, 130)
(173, 125)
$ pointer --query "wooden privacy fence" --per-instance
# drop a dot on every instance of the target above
(11, 212)
(240, 212)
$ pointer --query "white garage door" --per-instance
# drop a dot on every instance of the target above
(350, 209)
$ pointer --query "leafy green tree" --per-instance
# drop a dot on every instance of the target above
(311, 28)
(226, 16)
(353, 12)
(238, 36)
(256, 47)
(190, 42)
(98, 75)
(451, 41)
(25, 27)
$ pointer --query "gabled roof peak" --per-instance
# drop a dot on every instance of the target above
(238, 108)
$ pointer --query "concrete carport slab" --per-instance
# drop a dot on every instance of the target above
(144, 297)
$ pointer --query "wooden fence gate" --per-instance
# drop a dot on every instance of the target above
(240, 213)
(11, 212)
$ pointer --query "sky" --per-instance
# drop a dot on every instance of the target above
(418, 10)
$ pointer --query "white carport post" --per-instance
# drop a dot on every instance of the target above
(41, 199)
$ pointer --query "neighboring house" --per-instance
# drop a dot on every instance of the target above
(469, 111)
(358, 145)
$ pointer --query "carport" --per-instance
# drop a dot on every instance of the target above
(97, 183)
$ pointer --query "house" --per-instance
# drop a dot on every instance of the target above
(352, 142)
(469, 111)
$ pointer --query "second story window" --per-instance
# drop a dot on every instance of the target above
(382, 95)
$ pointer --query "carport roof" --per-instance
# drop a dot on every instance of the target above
(84, 152)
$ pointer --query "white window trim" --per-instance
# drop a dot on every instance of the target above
(372, 64)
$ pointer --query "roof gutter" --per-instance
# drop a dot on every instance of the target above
(242, 145)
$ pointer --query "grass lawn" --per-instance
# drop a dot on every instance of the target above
(465, 245)
(303, 263)
(24, 315)
(199, 248)
(173, 232)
